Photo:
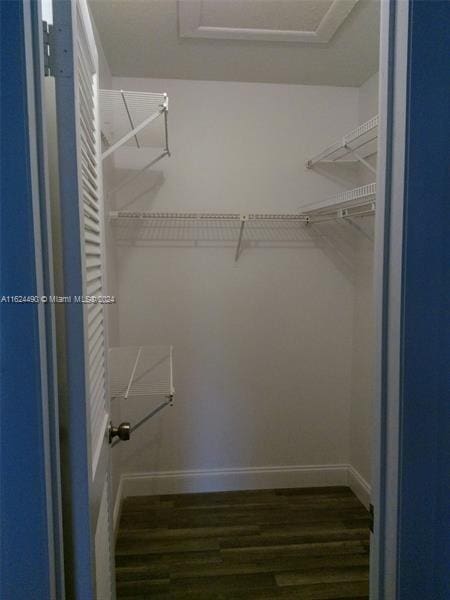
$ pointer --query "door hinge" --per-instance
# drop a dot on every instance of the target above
(371, 517)
(48, 51)
(57, 55)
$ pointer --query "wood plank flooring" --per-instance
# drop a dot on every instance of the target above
(304, 544)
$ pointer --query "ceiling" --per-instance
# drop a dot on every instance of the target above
(316, 42)
(264, 14)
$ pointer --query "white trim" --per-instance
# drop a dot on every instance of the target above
(99, 444)
(189, 23)
(359, 486)
(393, 92)
(39, 200)
(242, 478)
(117, 511)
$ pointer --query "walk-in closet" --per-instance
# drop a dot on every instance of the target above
(228, 161)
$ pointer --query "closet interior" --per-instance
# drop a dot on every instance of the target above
(239, 198)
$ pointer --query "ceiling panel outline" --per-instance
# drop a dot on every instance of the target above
(191, 26)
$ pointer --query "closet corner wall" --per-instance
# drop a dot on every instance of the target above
(363, 362)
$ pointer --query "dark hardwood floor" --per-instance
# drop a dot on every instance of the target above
(292, 543)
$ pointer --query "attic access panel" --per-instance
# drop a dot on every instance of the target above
(263, 20)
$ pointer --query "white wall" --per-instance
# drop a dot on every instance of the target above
(368, 99)
(263, 347)
(363, 376)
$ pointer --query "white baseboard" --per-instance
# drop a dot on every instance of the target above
(244, 478)
(118, 506)
(359, 486)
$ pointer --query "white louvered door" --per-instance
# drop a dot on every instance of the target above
(92, 242)
(88, 450)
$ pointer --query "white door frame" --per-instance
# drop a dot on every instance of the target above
(388, 280)
(83, 356)
(388, 288)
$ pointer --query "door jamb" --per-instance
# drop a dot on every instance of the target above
(388, 280)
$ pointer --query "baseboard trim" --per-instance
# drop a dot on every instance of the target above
(359, 486)
(118, 506)
(247, 478)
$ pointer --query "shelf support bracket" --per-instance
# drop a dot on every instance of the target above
(132, 133)
(166, 131)
(244, 219)
(131, 178)
(148, 416)
(351, 222)
(138, 356)
(362, 160)
(129, 117)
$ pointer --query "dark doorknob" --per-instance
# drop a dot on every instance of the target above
(123, 432)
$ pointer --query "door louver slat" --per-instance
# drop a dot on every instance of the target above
(93, 249)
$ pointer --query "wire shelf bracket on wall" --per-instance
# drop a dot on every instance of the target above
(125, 114)
(142, 372)
(355, 146)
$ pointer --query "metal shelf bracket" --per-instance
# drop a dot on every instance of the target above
(110, 101)
(360, 159)
(244, 219)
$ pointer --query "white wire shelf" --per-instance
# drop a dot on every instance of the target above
(125, 117)
(356, 145)
(137, 371)
(232, 229)
(357, 202)
(142, 215)
(237, 228)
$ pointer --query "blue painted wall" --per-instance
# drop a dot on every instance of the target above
(424, 551)
(24, 543)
